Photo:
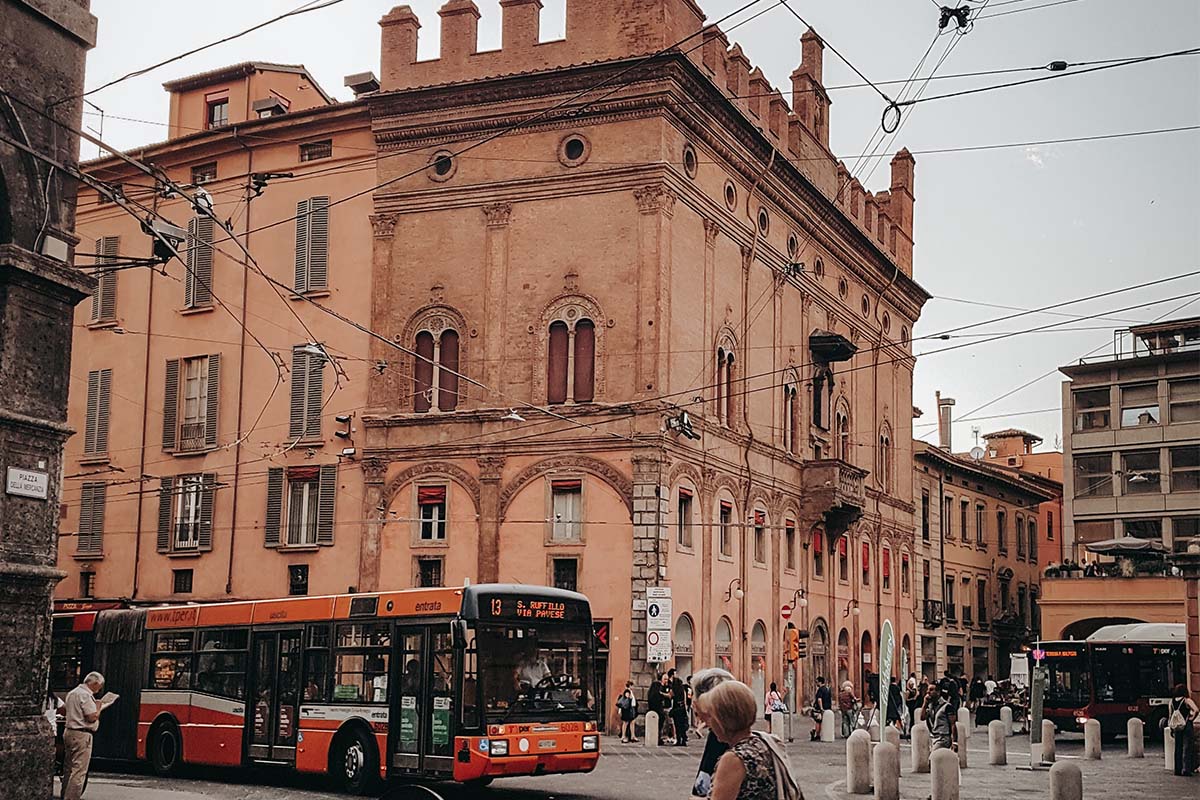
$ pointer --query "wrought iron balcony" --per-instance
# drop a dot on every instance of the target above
(933, 613)
(191, 436)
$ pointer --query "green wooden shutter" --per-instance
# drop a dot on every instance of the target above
(274, 516)
(165, 495)
(314, 397)
(171, 405)
(207, 491)
(92, 418)
(318, 243)
(302, 225)
(327, 490)
(299, 392)
(214, 398)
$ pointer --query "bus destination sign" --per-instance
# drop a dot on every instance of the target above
(532, 609)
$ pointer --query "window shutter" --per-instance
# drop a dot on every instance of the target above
(104, 299)
(202, 294)
(164, 514)
(214, 400)
(318, 243)
(448, 372)
(103, 411)
(302, 222)
(189, 281)
(91, 519)
(299, 391)
(315, 397)
(423, 372)
(98, 291)
(556, 367)
(171, 405)
(84, 535)
(326, 491)
(207, 491)
(274, 507)
(585, 361)
(91, 423)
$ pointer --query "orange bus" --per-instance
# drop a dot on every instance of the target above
(466, 684)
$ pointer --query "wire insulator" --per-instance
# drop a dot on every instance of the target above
(1057, 66)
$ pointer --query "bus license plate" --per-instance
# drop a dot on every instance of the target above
(547, 744)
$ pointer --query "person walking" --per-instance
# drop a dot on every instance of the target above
(895, 706)
(679, 709)
(627, 708)
(82, 719)
(822, 702)
(656, 702)
(846, 705)
(755, 767)
(938, 714)
(702, 682)
(1181, 719)
(773, 702)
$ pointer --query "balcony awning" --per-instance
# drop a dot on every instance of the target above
(1126, 545)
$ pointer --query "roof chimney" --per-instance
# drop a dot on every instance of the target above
(944, 404)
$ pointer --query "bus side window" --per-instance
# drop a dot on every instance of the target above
(171, 667)
(470, 683)
(316, 664)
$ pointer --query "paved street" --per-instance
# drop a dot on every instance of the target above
(631, 772)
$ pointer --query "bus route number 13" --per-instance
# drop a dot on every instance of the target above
(497, 607)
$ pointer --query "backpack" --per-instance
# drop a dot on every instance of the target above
(1177, 722)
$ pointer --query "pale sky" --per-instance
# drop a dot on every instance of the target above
(1026, 226)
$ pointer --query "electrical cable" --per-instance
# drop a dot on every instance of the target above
(1029, 8)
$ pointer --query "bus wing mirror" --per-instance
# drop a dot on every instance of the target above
(458, 633)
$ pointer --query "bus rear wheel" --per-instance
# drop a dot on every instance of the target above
(165, 748)
(354, 762)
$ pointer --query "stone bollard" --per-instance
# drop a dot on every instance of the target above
(891, 734)
(997, 743)
(1169, 748)
(964, 716)
(1091, 739)
(962, 744)
(873, 730)
(827, 726)
(887, 771)
(1135, 731)
(920, 747)
(651, 737)
(778, 721)
(1007, 719)
(1048, 748)
(944, 775)
(1066, 782)
(920, 714)
(858, 763)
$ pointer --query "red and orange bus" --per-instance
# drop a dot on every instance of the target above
(465, 684)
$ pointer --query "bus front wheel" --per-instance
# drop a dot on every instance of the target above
(165, 748)
(355, 762)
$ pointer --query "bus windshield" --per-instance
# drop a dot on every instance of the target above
(536, 670)
(1128, 673)
(1067, 680)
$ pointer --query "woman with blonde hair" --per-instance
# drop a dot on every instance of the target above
(755, 767)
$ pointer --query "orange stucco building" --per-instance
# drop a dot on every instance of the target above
(660, 341)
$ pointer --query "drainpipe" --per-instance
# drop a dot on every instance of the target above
(237, 450)
(942, 548)
(137, 536)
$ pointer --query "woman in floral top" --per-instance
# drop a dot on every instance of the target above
(747, 770)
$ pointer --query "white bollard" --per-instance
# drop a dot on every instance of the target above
(962, 744)
(891, 734)
(1135, 731)
(1169, 748)
(1007, 719)
(887, 771)
(1066, 781)
(920, 714)
(920, 747)
(777, 723)
(858, 763)
(944, 775)
(827, 726)
(873, 730)
(1091, 739)
(651, 737)
(964, 716)
(1048, 747)
(997, 743)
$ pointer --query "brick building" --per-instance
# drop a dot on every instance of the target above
(682, 241)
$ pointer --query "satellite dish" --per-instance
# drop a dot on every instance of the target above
(977, 453)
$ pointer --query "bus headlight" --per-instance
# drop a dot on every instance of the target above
(499, 747)
(591, 743)
(1080, 719)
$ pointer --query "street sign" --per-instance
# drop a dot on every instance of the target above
(785, 612)
(658, 624)
(27, 483)
(887, 650)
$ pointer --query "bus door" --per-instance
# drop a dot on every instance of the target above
(274, 695)
(423, 741)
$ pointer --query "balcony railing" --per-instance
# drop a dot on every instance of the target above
(834, 494)
(191, 436)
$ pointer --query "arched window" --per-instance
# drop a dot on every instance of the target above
(884, 458)
(841, 421)
(684, 645)
(724, 644)
(724, 385)
(435, 364)
(868, 663)
(791, 414)
(822, 396)
(758, 659)
(843, 656)
(571, 363)
(818, 649)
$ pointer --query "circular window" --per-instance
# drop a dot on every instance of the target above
(793, 245)
(442, 166)
(819, 268)
(764, 221)
(574, 149)
(887, 322)
(866, 306)
(730, 195)
(690, 162)
(843, 289)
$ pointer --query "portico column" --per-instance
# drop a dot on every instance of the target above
(383, 387)
(495, 294)
(656, 204)
(374, 516)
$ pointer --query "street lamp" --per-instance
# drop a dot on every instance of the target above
(851, 608)
(732, 592)
(799, 599)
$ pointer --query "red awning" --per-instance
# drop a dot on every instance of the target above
(567, 485)
(684, 492)
(841, 547)
(725, 506)
(887, 563)
(303, 473)
(760, 518)
(431, 495)
(818, 541)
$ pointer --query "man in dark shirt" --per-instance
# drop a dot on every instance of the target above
(679, 714)
(821, 703)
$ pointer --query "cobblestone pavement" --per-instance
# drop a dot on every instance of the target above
(633, 772)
